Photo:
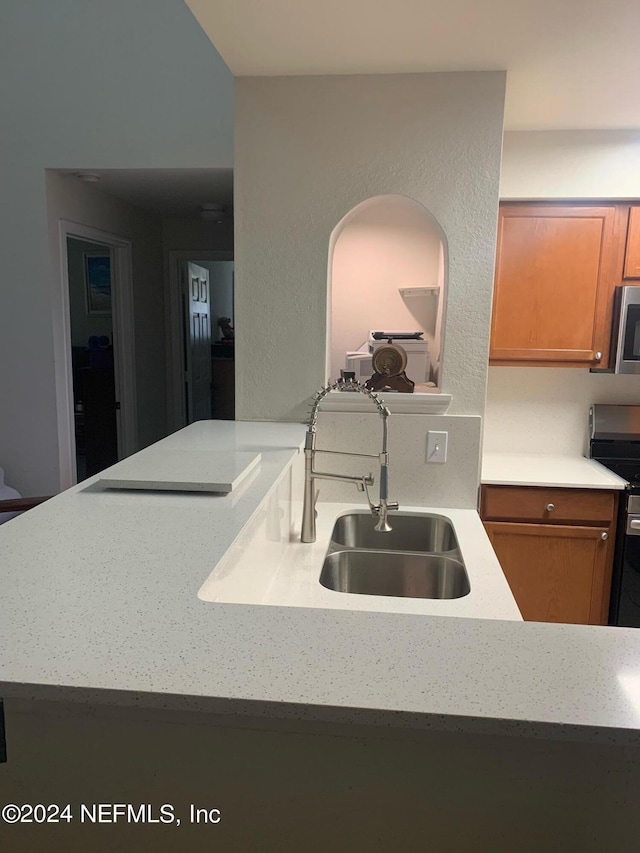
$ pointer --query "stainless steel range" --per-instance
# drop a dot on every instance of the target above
(615, 443)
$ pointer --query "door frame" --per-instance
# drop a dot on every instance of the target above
(123, 347)
(174, 329)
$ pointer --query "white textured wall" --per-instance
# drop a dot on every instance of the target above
(388, 244)
(412, 481)
(571, 164)
(90, 85)
(307, 150)
(545, 410)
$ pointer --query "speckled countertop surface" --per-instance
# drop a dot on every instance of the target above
(99, 604)
(292, 577)
(557, 471)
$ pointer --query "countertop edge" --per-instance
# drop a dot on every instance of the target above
(538, 484)
(243, 712)
(525, 470)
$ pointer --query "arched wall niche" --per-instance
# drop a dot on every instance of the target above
(387, 271)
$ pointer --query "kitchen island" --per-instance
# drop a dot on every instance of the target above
(116, 670)
(100, 604)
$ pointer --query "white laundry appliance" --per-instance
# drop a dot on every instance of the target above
(418, 361)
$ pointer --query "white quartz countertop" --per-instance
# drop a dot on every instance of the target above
(100, 604)
(182, 470)
(534, 469)
(288, 576)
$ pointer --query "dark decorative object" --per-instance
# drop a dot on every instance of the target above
(226, 328)
(389, 365)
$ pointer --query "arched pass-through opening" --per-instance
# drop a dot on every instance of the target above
(387, 272)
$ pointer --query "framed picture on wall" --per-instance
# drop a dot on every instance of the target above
(97, 280)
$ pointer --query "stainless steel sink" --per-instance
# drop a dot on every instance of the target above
(411, 532)
(394, 573)
(418, 558)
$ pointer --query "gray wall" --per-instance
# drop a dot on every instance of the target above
(191, 233)
(153, 93)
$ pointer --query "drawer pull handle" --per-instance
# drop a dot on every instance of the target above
(550, 507)
(604, 536)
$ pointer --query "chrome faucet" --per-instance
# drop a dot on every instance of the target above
(380, 510)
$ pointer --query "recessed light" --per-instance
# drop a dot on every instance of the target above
(213, 212)
(88, 177)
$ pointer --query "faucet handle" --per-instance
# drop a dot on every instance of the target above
(376, 509)
(361, 486)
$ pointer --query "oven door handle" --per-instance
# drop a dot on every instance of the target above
(633, 526)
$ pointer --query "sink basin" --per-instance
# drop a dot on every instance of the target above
(394, 574)
(411, 532)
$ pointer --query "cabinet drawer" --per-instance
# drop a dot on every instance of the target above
(551, 506)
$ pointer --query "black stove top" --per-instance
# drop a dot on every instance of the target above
(615, 440)
(629, 471)
(621, 457)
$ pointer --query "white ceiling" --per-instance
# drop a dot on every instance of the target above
(572, 64)
(167, 192)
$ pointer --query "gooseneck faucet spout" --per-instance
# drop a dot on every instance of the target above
(380, 510)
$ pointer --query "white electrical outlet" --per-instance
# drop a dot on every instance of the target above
(437, 446)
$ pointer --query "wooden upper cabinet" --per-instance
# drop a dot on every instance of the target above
(632, 254)
(556, 269)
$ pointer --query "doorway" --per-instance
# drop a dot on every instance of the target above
(92, 358)
(100, 349)
(202, 344)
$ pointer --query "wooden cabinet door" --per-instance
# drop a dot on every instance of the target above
(555, 275)
(632, 254)
(556, 573)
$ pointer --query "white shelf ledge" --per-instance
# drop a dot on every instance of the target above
(399, 404)
(418, 291)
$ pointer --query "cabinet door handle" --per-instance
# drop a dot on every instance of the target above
(604, 536)
(550, 507)
(598, 356)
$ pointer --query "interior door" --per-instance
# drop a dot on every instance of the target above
(93, 341)
(197, 299)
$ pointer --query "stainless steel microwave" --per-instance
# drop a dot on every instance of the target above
(625, 337)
